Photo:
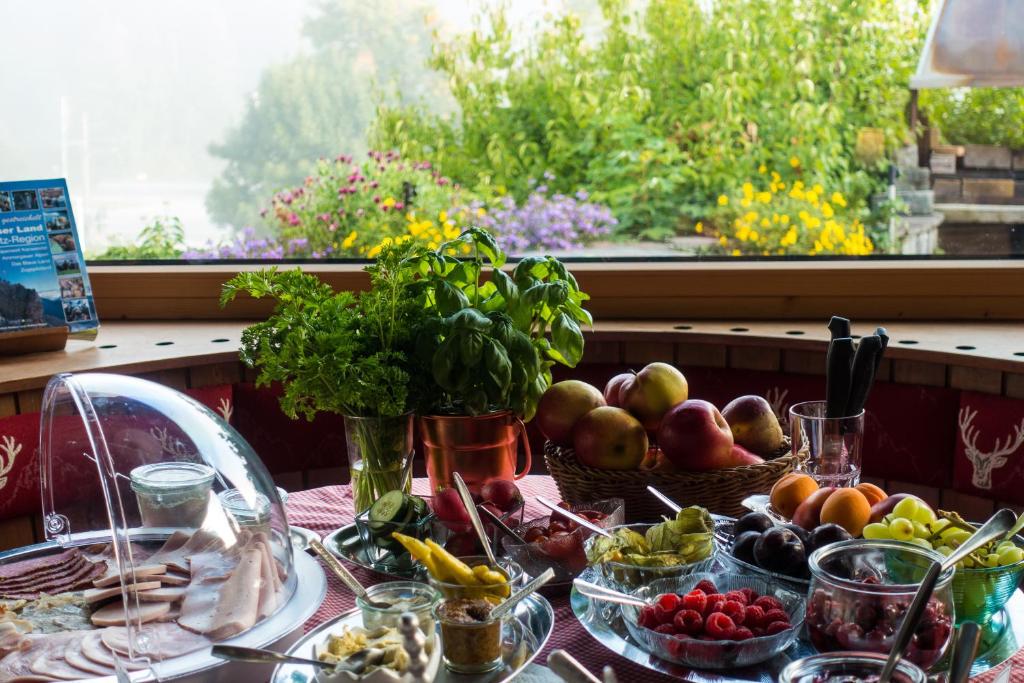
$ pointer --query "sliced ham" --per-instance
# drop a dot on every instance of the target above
(73, 656)
(235, 601)
(17, 666)
(99, 594)
(213, 566)
(162, 641)
(268, 576)
(55, 666)
(170, 616)
(11, 639)
(114, 614)
(141, 572)
(177, 556)
(96, 651)
(157, 594)
(173, 579)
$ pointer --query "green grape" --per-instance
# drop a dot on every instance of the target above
(944, 550)
(876, 530)
(967, 563)
(992, 560)
(901, 529)
(906, 508)
(938, 525)
(923, 542)
(920, 530)
(924, 514)
(956, 537)
(1011, 556)
(1005, 545)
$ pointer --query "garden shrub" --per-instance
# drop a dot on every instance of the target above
(978, 116)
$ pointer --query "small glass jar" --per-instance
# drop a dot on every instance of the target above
(403, 596)
(253, 517)
(470, 640)
(860, 591)
(172, 494)
(848, 667)
(494, 592)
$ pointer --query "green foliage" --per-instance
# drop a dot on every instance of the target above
(978, 116)
(335, 352)
(163, 238)
(668, 109)
(316, 104)
(490, 344)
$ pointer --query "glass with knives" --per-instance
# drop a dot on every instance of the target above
(828, 435)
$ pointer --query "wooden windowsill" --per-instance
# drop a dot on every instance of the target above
(140, 347)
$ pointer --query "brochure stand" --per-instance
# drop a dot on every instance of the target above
(33, 341)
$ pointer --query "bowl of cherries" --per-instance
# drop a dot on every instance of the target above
(709, 621)
(556, 542)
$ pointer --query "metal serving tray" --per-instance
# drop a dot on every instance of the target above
(345, 544)
(529, 631)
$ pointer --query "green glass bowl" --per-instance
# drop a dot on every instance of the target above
(980, 593)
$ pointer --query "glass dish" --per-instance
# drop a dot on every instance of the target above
(861, 589)
(403, 596)
(714, 654)
(628, 576)
(382, 549)
(459, 538)
(496, 591)
(564, 555)
(172, 494)
(848, 667)
(979, 593)
(468, 647)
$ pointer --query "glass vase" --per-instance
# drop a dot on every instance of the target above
(380, 451)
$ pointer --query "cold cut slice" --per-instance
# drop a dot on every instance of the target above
(114, 614)
(35, 564)
(99, 594)
(157, 594)
(173, 579)
(141, 572)
(95, 650)
(163, 641)
(73, 656)
(222, 609)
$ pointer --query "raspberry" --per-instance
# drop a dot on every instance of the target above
(737, 596)
(753, 616)
(667, 629)
(767, 602)
(757, 631)
(666, 606)
(777, 627)
(742, 633)
(695, 600)
(688, 621)
(719, 626)
(775, 615)
(713, 607)
(706, 586)
(751, 595)
(648, 617)
(734, 610)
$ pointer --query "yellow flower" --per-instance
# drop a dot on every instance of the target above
(466, 249)
(443, 216)
(745, 202)
(349, 241)
(723, 241)
(796, 193)
(480, 212)
(722, 200)
(753, 235)
(764, 197)
(811, 197)
(838, 200)
(374, 251)
(776, 178)
(762, 169)
(794, 162)
(699, 228)
(735, 252)
(784, 219)
(748, 190)
(826, 210)
(765, 223)
(388, 202)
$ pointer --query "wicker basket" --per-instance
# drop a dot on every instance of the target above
(720, 491)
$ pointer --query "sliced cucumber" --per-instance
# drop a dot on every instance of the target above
(420, 506)
(391, 507)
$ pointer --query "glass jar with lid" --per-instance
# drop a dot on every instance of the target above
(172, 494)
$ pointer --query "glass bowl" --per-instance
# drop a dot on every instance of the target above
(724, 530)
(459, 538)
(714, 654)
(382, 549)
(404, 596)
(496, 592)
(861, 589)
(469, 646)
(979, 593)
(848, 666)
(565, 554)
(628, 576)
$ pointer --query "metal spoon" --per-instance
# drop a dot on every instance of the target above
(967, 641)
(568, 669)
(514, 599)
(345, 575)
(474, 518)
(252, 654)
(586, 524)
(592, 590)
(669, 503)
(502, 527)
(995, 527)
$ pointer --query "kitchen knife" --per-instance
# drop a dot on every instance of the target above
(838, 375)
(839, 327)
(863, 374)
(882, 334)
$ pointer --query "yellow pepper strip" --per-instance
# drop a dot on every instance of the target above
(415, 546)
(453, 566)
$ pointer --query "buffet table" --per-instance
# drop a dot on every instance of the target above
(325, 509)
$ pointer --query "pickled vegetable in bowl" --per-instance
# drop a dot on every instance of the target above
(687, 538)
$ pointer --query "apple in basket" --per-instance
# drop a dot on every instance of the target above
(754, 425)
(695, 437)
(610, 439)
(652, 393)
(562, 406)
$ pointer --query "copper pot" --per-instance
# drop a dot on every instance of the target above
(479, 447)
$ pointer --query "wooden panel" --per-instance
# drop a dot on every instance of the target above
(976, 379)
(970, 507)
(803, 362)
(16, 532)
(30, 401)
(1014, 385)
(753, 358)
(602, 352)
(249, 374)
(175, 378)
(8, 405)
(914, 372)
(701, 355)
(884, 373)
(641, 353)
(213, 374)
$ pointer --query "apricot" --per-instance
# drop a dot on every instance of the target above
(849, 508)
(873, 493)
(791, 490)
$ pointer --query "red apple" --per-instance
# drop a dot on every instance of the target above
(501, 493)
(562, 405)
(654, 390)
(610, 439)
(611, 390)
(741, 456)
(695, 437)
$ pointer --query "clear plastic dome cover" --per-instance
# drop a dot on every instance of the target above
(174, 504)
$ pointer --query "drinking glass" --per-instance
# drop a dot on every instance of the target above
(829, 448)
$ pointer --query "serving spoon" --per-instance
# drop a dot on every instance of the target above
(474, 518)
(502, 527)
(585, 523)
(261, 656)
(997, 525)
(511, 601)
(592, 590)
(345, 575)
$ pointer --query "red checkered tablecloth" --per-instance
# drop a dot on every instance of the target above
(325, 509)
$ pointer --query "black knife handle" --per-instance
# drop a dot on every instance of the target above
(838, 376)
(864, 363)
(839, 327)
(882, 334)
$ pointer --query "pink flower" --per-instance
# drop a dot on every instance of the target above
(360, 213)
(293, 219)
(399, 206)
(325, 217)
(332, 227)
(374, 184)
(376, 199)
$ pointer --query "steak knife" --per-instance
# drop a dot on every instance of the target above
(869, 350)
(838, 376)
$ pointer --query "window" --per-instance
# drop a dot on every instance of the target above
(663, 129)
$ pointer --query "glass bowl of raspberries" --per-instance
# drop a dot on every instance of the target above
(709, 621)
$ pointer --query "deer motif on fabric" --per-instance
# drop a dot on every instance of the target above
(9, 449)
(983, 462)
